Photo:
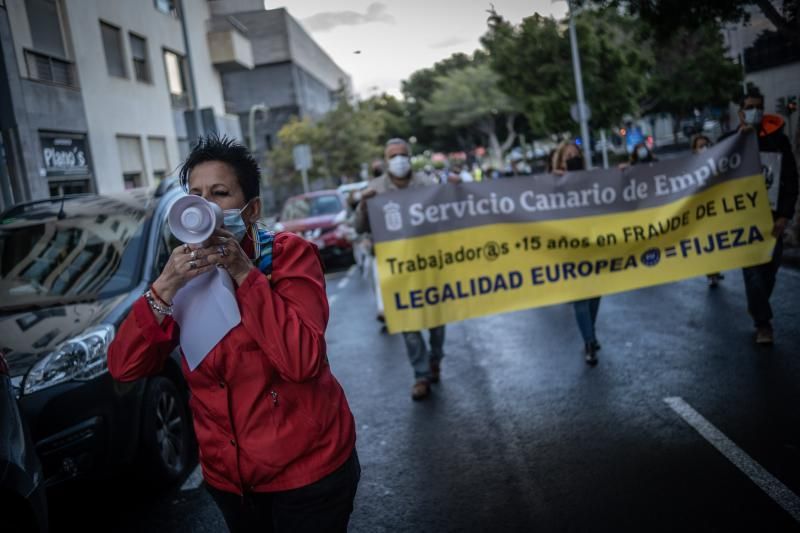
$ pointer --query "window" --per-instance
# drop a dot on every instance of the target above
(45, 27)
(170, 7)
(112, 43)
(131, 161)
(157, 147)
(141, 68)
(176, 78)
(132, 180)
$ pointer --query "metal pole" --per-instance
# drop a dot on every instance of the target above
(195, 105)
(576, 68)
(304, 172)
(605, 148)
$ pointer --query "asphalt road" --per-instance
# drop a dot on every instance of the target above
(522, 436)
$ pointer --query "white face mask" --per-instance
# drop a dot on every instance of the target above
(752, 117)
(642, 153)
(399, 166)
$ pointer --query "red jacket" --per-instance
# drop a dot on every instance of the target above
(268, 413)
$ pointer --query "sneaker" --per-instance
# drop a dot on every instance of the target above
(421, 389)
(596, 346)
(436, 370)
(591, 354)
(764, 335)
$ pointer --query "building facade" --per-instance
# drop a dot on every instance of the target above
(290, 74)
(102, 95)
(770, 62)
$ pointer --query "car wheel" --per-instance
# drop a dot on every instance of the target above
(166, 430)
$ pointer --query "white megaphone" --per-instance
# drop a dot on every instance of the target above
(193, 219)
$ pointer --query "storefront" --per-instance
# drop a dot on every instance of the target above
(67, 164)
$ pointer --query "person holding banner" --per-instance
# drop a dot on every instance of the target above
(568, 159)
(779, 163)
(275, 432)
(700, 143)
(399, 175)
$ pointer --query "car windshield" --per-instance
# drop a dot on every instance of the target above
(313, 206)
(47, 259)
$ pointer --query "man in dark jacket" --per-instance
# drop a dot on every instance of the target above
(772, 142)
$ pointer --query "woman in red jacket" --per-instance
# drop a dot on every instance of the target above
(276, 436)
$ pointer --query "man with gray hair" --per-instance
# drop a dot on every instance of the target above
(399, 175)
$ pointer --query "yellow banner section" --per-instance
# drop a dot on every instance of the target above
(450, 276)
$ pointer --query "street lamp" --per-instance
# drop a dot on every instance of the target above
(576, 69)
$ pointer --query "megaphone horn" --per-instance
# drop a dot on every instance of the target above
(193, 219)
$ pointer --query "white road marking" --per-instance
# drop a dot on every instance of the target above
(757, 474)
(194, 479)
(343, 283)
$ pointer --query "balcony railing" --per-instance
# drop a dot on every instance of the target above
(43, 67)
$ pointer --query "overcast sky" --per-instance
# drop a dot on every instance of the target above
(395, 38)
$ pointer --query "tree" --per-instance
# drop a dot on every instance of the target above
(340, 142)
(666, 16)
(418, 88)
(390, 114)
(535, 67)
(470, 98)
(692, 72)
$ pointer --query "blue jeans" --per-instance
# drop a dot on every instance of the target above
(586, 315)
(419, 355)
(759, 281)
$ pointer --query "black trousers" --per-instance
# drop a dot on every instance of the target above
(321, 507)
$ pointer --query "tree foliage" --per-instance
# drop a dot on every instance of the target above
(469, 98)
(340, 142)
(535, 66)
(666, 16)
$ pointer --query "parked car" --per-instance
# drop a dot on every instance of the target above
(322, 218)
(70, 270)
(23, 503)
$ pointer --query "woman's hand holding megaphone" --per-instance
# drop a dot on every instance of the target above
(186, 263)
(226, 252)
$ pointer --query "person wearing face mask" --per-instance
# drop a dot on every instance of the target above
(425, 362)
(275, 432)
(642, 154)
(759, 280)
(568, 159)
(700, 144)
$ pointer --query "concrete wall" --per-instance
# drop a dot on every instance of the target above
(124, 106)
(272, 85)
(311, 57)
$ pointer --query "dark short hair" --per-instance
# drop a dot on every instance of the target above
(752, 92)
(697, 138)
(226, 150)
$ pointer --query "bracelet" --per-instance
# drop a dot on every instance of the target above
(158, 296)
(155, 306)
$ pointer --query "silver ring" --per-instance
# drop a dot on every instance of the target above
(222, 251)
(192, 265)
(193, 255)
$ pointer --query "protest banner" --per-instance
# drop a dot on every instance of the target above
(451, 252)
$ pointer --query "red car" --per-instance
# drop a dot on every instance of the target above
(322, 218)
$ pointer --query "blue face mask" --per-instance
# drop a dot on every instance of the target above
(233, 222)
